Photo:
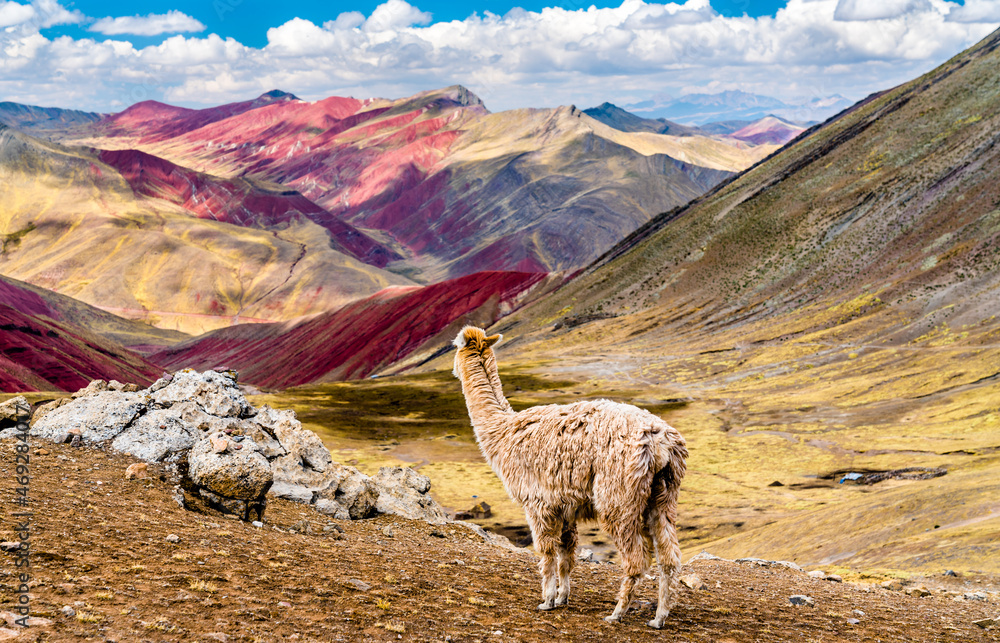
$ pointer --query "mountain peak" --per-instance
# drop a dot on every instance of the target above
(273, 96)
(464, 96)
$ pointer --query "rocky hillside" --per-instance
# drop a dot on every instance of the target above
(834, 310)
(137, 566)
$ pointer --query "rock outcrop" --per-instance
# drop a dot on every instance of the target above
(404, 493)
(14, 410)
(232, 454)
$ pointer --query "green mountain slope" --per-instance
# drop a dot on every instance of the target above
(833, 309)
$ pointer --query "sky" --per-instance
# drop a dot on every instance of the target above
(103, 56)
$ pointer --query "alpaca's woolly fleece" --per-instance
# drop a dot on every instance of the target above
(566, 462)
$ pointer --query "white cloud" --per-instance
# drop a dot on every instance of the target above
(13, 13)
(554, 56)
(878, 10)
(395, 14)
(976, 11)
(153, 24)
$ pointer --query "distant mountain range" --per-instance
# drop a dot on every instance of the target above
(699, 109)
(44, 120)
(275, 207)
(769, 130)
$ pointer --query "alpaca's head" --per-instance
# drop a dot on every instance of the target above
(472, 342)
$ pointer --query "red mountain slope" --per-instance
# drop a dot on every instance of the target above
(237, 201)
(159, 121)
(42, 350)
(40, 354)
(356, 340)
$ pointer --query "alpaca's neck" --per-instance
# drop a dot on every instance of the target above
(488, 408)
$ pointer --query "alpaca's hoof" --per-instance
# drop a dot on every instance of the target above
(562, 600)
(656, 623)
(611, 619)
(546, 606)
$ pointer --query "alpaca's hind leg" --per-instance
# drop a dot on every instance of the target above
(662, 523)
(545, 533)
(567, 558)
(633, 552)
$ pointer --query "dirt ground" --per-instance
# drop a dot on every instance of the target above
(99, 545)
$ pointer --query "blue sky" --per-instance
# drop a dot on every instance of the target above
(248, 20)
(104, 56)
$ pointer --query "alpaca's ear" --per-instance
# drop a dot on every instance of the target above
(493, 340)
(462, 340)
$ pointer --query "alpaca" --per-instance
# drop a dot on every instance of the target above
(597, 459)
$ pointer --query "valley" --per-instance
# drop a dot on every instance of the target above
(815, 307)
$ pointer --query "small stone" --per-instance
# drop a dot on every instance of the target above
(387, 531)
(42, 452)
(68, 611)
(136, 470)
(776, 483)
(833, 578)
(950, 572)
(893, 584)
(237, 446)
(257, 523)
(817, 574)
(359, 584)
(284, 604)
(858, 612)
(217, 636)
(985, 623)
(437, 533)
(918, 592)
(586, 555)
(693, 581)
(800, 599)
(460, 562)
(173, 538)
(75, 431)
(219, 445)
(498, 633)
(75, 442)
(853, 621)
(975, 596)
(303, 527)
(10, 545)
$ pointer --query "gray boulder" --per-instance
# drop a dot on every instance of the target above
(306, 461)
(242, 474)
(216, 393)
(403, 492)
(44, 409)
(234, 480)
(155, 436)
(99, 416)
(351, 489)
